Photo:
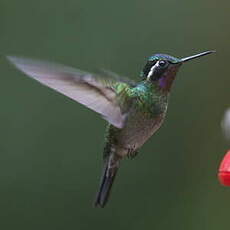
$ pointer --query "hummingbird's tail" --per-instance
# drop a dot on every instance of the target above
(107, 179)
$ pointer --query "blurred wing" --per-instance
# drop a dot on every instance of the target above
(96, 93)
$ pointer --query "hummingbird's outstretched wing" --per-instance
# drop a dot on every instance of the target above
(103, 95)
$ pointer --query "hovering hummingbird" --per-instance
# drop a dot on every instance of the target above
(134, 111)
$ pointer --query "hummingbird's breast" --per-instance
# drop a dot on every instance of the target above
(138, 129)
(144, 119)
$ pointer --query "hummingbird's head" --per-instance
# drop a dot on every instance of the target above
(161, 69)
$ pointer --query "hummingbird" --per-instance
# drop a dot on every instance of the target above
(134, 111)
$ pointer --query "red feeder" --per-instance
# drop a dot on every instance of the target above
(224, 170)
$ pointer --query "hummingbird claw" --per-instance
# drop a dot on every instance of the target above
(132, 153)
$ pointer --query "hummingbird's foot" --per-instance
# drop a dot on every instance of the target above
(132, 153)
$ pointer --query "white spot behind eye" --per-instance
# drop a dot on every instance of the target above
(152, 70)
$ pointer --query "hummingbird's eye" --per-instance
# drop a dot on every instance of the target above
(163, 63)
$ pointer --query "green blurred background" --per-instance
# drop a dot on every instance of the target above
(51, 147)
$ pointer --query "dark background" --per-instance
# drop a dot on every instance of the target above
(51, 146)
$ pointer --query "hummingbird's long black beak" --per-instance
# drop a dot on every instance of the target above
(197, 55)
